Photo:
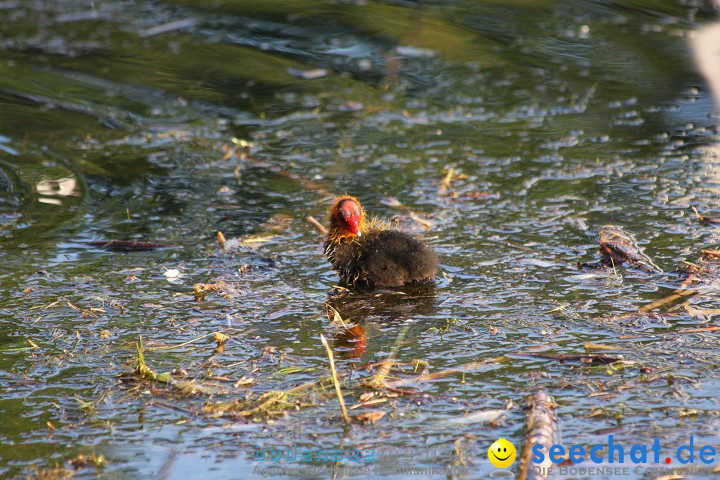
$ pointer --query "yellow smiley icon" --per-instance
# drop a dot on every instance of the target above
(502, 453)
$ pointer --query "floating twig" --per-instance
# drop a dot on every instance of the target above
(592, 359)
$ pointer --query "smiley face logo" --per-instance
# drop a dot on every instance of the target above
(502, 453)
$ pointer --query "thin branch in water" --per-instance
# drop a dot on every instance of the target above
(319, 226)
(338, 391)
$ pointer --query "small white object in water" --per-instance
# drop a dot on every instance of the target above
(415, 52)
(172, 274)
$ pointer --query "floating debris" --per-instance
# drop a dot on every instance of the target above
(186, 387)
(711, 253)
(81, 461)
(618, 247)
(173, 274)
(243, 382)
(220, 338)
(598, 359)
(222, 288)
(370, 417)
(705, 220)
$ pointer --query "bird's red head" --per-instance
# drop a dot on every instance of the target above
(347, 218)
(350, 213)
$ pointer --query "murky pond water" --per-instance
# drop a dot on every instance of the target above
(504, 133)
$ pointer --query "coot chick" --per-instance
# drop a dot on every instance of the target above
(368, 253)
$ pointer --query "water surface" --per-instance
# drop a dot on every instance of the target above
(167, 121)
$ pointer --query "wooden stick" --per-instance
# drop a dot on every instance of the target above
(540, 429)
(676, 295)
(335, 379)
(319, 226)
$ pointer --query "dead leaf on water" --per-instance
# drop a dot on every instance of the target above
(368, 395)
(243, 381)
(370, 417)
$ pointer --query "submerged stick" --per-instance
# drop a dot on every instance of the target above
(676, 295)
(338, 391)
(464, 368)
(170, 347)
(682, 331)
(541, 429)
(589, 359)
(378, 380)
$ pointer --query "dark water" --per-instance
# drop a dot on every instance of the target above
(168, 121)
